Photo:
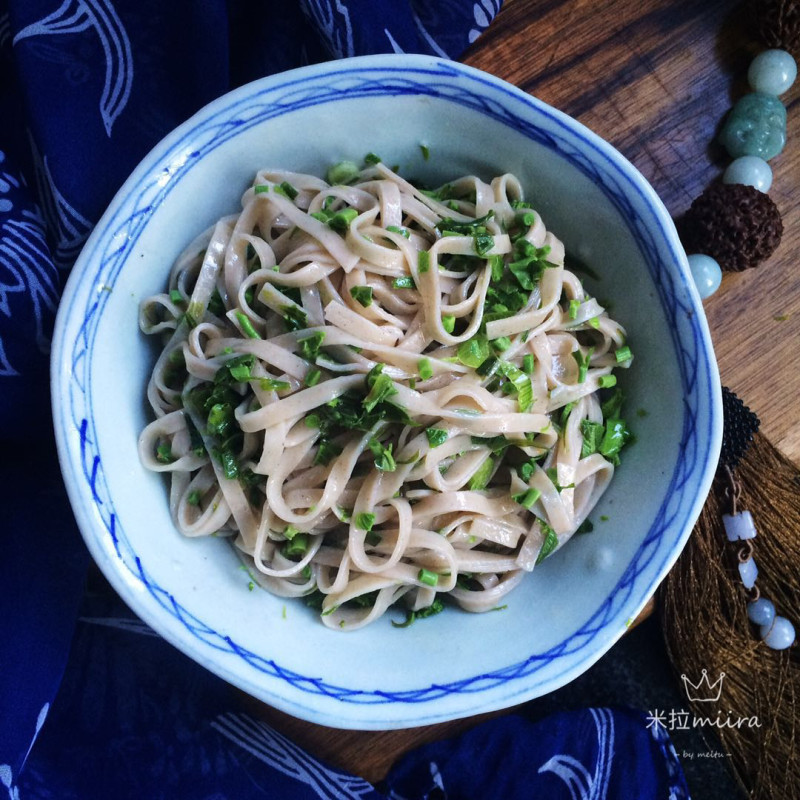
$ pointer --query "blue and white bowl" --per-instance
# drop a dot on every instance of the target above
(575, 605)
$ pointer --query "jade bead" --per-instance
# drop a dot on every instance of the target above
(749, 171)
(772, 72)
(756, 126)
(707, 274)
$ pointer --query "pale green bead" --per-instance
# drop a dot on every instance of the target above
(772, 72)
(706, 273)
(749, 171)
(756, 126)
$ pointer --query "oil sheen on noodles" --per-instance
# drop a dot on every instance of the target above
(383, 395)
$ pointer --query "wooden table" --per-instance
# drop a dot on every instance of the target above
(654, 78)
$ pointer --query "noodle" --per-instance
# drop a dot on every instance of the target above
(381, 393)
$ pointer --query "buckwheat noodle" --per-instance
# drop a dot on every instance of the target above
(381, 392)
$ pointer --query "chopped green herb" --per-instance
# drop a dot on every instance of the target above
(474, 352)
(583, 362)
(404, 282)
(397, 229)
(550, 542)
(247, 326)
(274, 385)
(262, 188)
(164, 453)
(607, 381)
(527, 498)
(384, 460)
(371, 158)
(326, 451)
(449, 323)
(342, 173)
(362, 294)
(194, 497)
(426, 153)
(310, 345)
(592, 436)
(623, 354)
(296, 547)
(425, 576)
(436, 607)
(382, 388)
(364, 521)
(313, 377)
(341, 220)
(574, 305)
(482, 475)
(423, 261)
(501, 344)
(436, 436)
(425, 369)
(295, 318)
(287, 189)
(527, 364)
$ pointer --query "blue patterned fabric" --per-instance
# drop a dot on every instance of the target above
(87, 88)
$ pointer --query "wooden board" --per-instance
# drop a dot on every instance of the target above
(654, 78)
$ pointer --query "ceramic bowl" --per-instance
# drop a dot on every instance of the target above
(193, 592)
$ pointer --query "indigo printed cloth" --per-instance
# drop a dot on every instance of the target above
(93, 704)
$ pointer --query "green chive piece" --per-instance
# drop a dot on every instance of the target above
(607, 381)
(623, 354)
(427, 577)
(480, 478)
(273, 385)
(436, 436)
(371, 158)
(194, 497)
(527, 498)
(426, 153)
(297, 546)
(164, 453)
(404, 282)
(423, 261)
(343, 173)
(364, 521)
(310, 345)
(341, 220)
(501, 344)
(574, 305)
(425, 369)
(527, 364)
(313, 377)
(448, 323)
(287, 189)
(583, 363)
(397, 229)
(247, 326)
(594, 322)
(362, 294)
(262, 188)
(474, 352)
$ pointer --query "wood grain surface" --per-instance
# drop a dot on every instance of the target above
(655, 79)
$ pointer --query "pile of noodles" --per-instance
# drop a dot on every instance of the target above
(382, 392)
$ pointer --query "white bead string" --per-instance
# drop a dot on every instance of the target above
(776, 631)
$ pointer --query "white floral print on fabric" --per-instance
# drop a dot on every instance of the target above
(483, 13)
(76, 16)
(281, 754)
(332, 20)
(582, 782)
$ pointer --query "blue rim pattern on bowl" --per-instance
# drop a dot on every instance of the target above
(368, 76)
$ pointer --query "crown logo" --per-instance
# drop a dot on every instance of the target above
(703, 691)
